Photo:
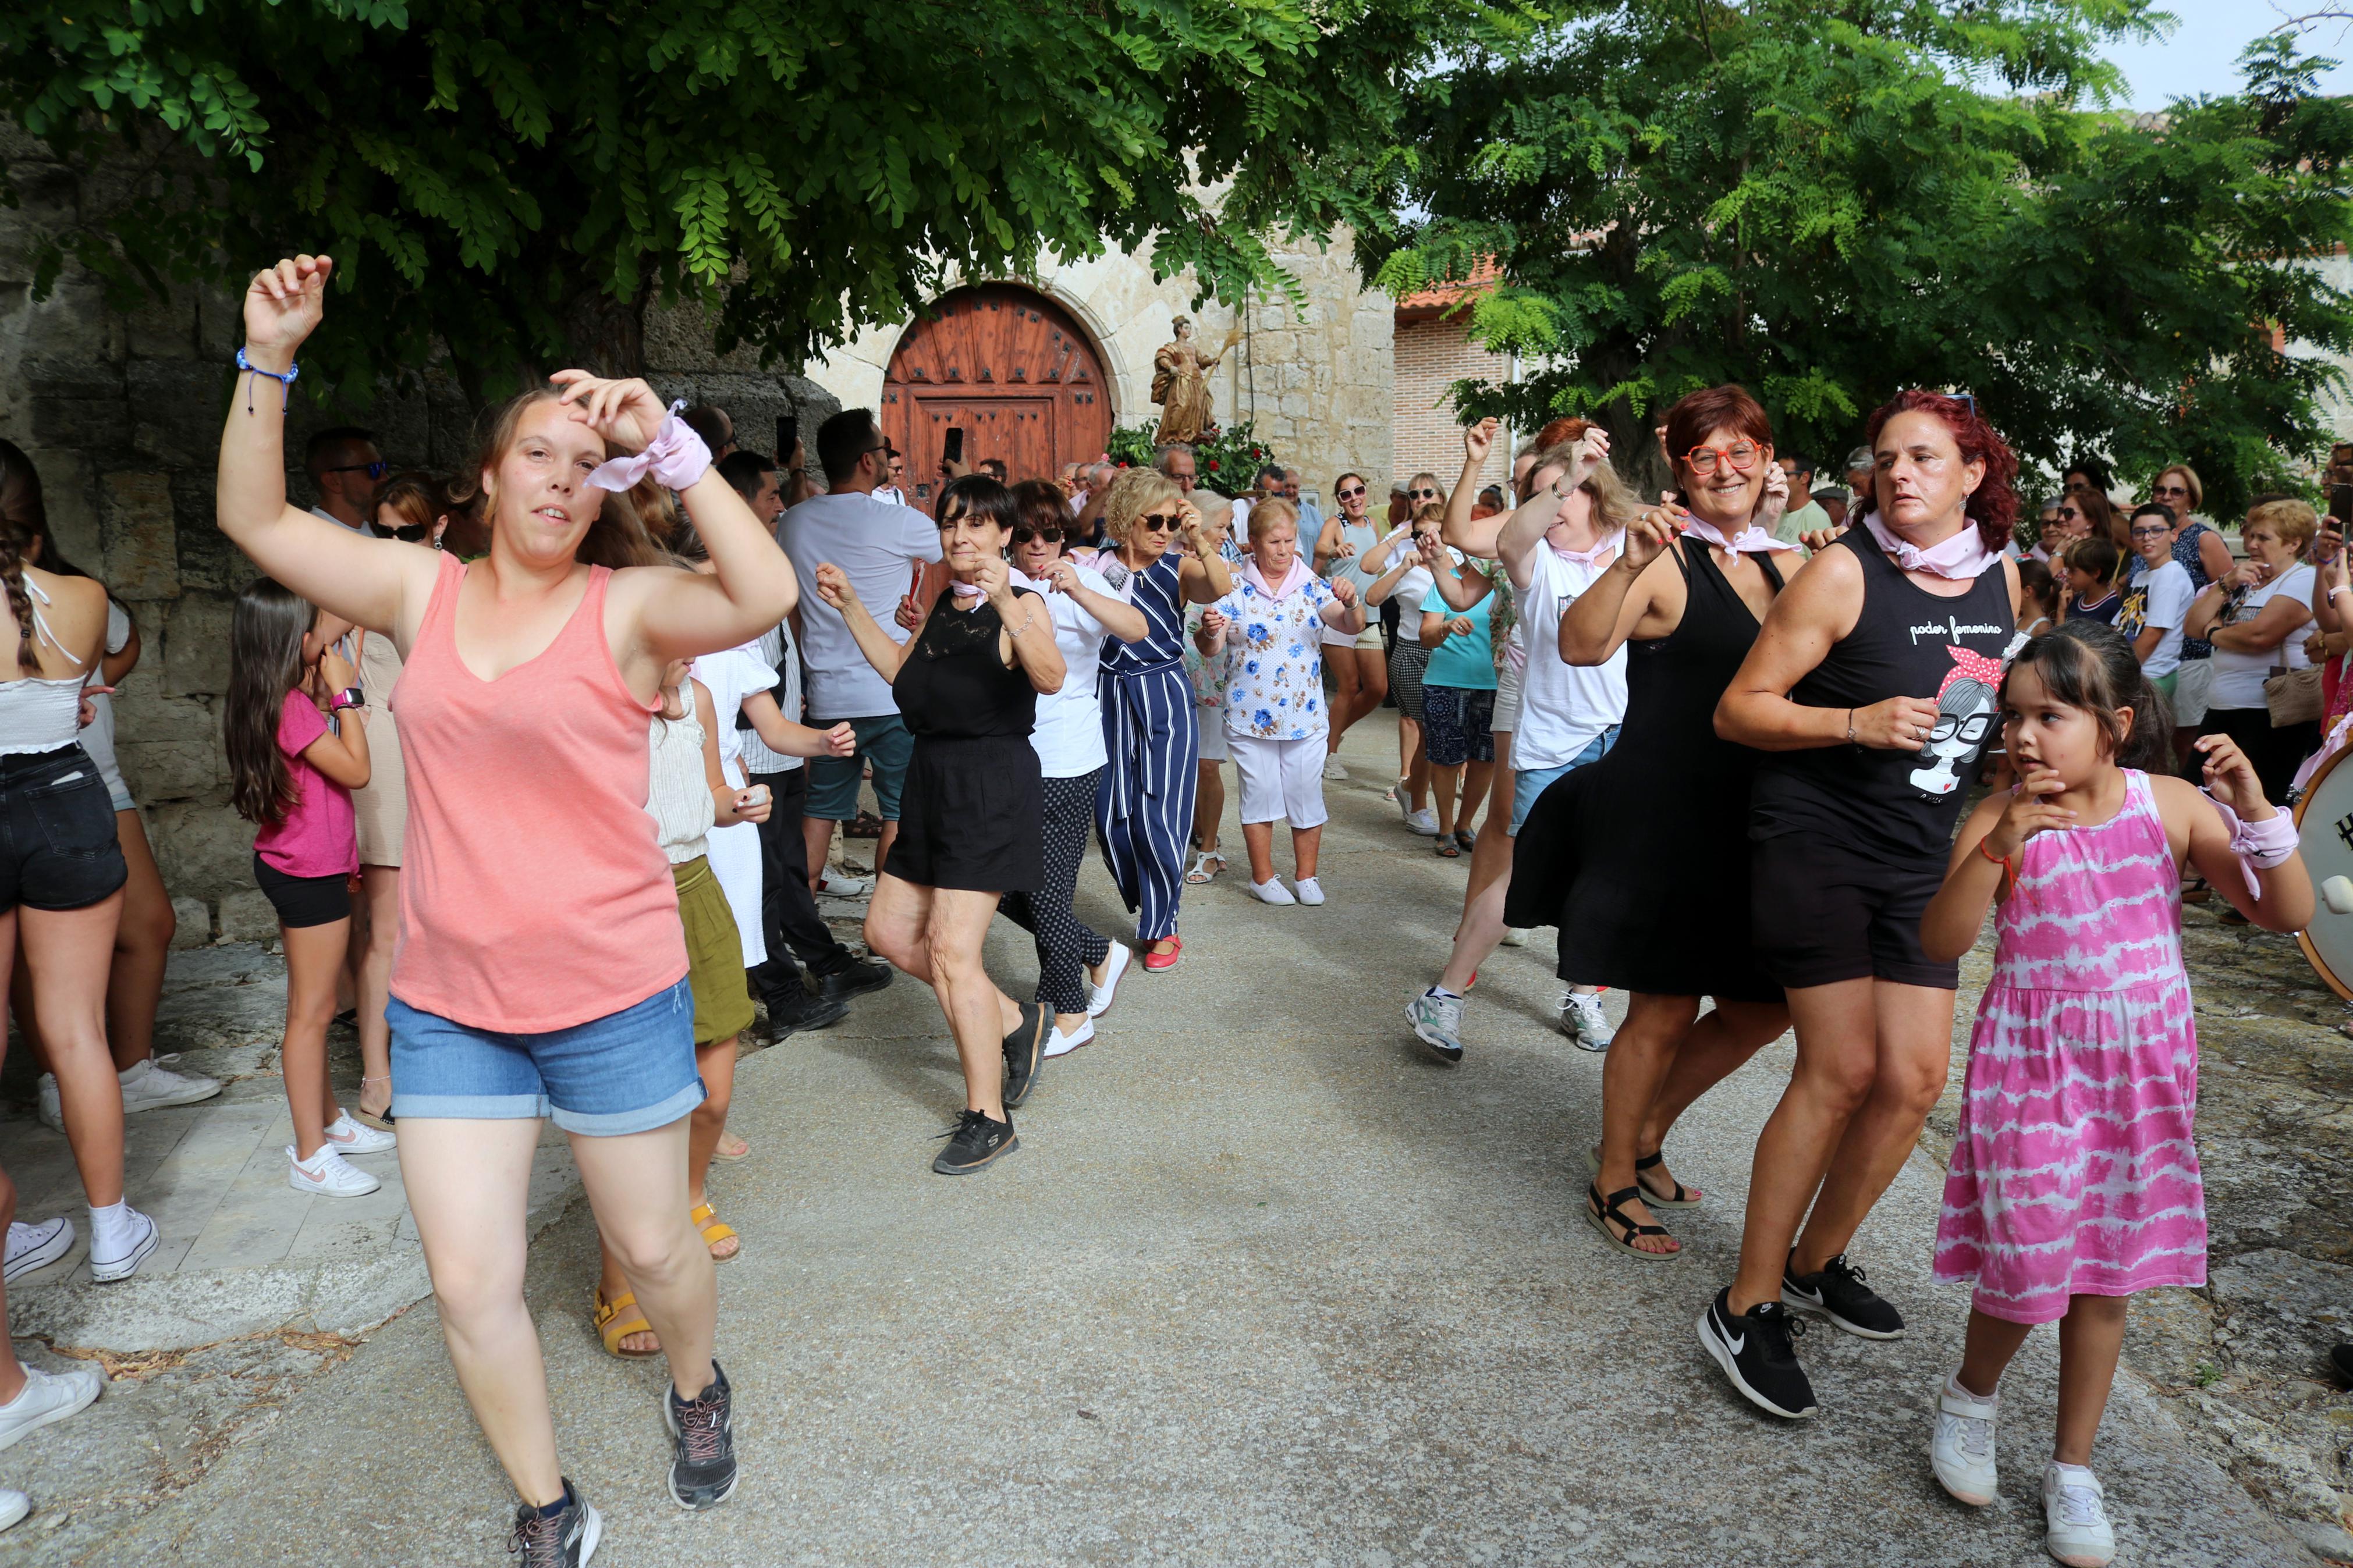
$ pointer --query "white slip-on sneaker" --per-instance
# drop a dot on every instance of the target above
(348, 1137)
(141, 1236)
(329, 1173)
(1271, 891)
(32, 1246)
(1100, 997)
(1424, 822)
(49, 1397)
(150, 1086)
(834, 887)
(14, 1506)
(53, 1110)
(1961, 1452)
(1332, 772)
(1310, 890)
(2075, 1517)
(1059, 1044)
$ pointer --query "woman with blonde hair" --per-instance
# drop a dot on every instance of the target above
(2256, 618)
(1160, 561)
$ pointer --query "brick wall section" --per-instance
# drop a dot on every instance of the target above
(1431, 356)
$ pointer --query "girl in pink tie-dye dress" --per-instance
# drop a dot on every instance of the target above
(2075, 1178)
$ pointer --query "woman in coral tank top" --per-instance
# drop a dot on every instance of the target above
(543, 964)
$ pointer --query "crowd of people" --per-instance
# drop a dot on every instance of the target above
(1725, 745)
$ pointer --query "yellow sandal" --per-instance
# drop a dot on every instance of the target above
(715, 1231)
(615, 1327)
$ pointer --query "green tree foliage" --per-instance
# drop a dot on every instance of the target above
(517, 181)
(1830, 201)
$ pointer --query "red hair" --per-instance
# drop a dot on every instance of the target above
(1560, 432)
(1698, 414)
(1993, 505)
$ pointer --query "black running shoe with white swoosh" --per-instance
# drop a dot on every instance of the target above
(1754, 1350)
(1837, 1291)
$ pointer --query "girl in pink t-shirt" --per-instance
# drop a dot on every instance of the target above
(293, 772)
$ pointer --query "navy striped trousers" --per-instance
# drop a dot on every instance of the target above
(1144, 809)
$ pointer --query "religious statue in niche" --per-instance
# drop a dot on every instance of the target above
(1180, 384)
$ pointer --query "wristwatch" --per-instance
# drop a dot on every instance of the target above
(349, 697)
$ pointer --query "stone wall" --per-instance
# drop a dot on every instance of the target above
(122, 414)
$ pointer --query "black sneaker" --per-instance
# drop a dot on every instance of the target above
(1754, 1350)
(1839, 1294)
(804, 1012)
(973, 1142)
(1025, 1054)
(564, 1539)
(864, 975)
(703, 1467)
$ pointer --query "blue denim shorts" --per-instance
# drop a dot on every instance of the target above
(1528, 784)
(628, 1071)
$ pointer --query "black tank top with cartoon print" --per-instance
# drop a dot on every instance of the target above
(1896, 806)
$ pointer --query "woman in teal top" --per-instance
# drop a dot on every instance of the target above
(1458, 700)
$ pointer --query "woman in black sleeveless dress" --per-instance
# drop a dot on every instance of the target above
(1873, 690)
(971, 816)
(1634, 856)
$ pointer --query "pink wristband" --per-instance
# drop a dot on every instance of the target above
(676, 457)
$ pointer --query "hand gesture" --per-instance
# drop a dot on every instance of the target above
(1648, 536)
(1591, 453)
(1345, 550)
(2316, 647)
(2231, 778)
(1212, 632)
(88, 712)
(282, 306)
(1898, 724)
(1460, 626)
(994, 581)
(951, 468)
(1817, 540)
(2031, 810)
(1189, 525)
(1775, 502)
(2328, 554)
(752, 804)
(834, 587)
(625, 413)
(2247, 575)
(1062, 576)
(841, 741)
(1410, 557)
(909, 615)
(1346, 592)
(1478, 440)
(334, 670)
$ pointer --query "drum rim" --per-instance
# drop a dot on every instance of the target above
(2303, 939)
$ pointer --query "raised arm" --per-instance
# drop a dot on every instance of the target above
(1598, 621)
(2284, 902)
(1117, 617)
(1028, 635)
(834, 587)
(1458, 588)
(1820, 606)
(1202, 577)
(1478, 440)
(379, 584)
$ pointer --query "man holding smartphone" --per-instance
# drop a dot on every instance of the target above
(883, 550)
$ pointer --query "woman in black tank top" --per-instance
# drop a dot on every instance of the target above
(1871, 690)
(971, 819)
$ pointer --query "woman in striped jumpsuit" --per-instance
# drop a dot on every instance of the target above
(1143, 810)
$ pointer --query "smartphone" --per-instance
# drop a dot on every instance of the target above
(788, 435)
(2340, 503)
(954, 450)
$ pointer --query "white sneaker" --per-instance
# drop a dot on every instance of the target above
(1515, 936)
(1332, 772)
(1100, 997)
(53, 1110)
(1311, 891)
(1424, 822)
(328, 1172)
(2075, 1516)
(32, 1246)
(348, 1137)
(149, 1086)
(1271, 891)
(835, 886)
(14, 1506)
(1059, 1044)
(1961, 1453)
(139, 1241)
(49, 1397)
(1582, 1020)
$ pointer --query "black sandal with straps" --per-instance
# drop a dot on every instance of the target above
(1603, 1214)
(1682, 1198)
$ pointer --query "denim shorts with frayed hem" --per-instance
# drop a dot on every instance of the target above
(57, 844)
(628, 1071)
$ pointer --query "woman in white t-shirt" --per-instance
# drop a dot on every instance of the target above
(2158, 603)
(1078, 968)
(1407, 582)
(2255, 619)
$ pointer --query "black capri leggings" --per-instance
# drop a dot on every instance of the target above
(1067, 947)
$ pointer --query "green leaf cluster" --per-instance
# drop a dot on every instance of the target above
(1226, 457)
(1828, 202)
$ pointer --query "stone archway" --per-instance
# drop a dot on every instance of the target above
(1014, 371)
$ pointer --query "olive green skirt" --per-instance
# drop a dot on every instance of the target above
(714, 955)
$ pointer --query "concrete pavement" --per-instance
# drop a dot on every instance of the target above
(1264, 1284)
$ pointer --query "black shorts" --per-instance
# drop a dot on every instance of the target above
(971, 816)
(1821, 911)
(304, 901)
(58, 845)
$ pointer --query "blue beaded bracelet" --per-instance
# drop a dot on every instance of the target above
(286, 380)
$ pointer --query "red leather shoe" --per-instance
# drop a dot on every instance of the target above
(1158, 962)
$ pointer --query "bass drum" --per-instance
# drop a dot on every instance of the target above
(2324, 824)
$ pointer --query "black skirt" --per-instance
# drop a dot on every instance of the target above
(972, 814)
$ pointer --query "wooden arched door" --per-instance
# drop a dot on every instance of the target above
(1011, 369)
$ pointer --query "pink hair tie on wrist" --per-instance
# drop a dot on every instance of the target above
(2260, 845)
(676, 457)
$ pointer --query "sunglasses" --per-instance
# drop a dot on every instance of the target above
(372, 470)
(1351, 494)
(1423, 495)
(1158, 523)
(2069, 512)
(1025, 535)
(2172, 489)
(412, 531)
(1741, 454)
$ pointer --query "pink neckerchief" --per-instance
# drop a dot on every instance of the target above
(1014, 578)
(1960, 559)
(2259, 846)
(1298, 577)
(1585, 558)
(1752, 540)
